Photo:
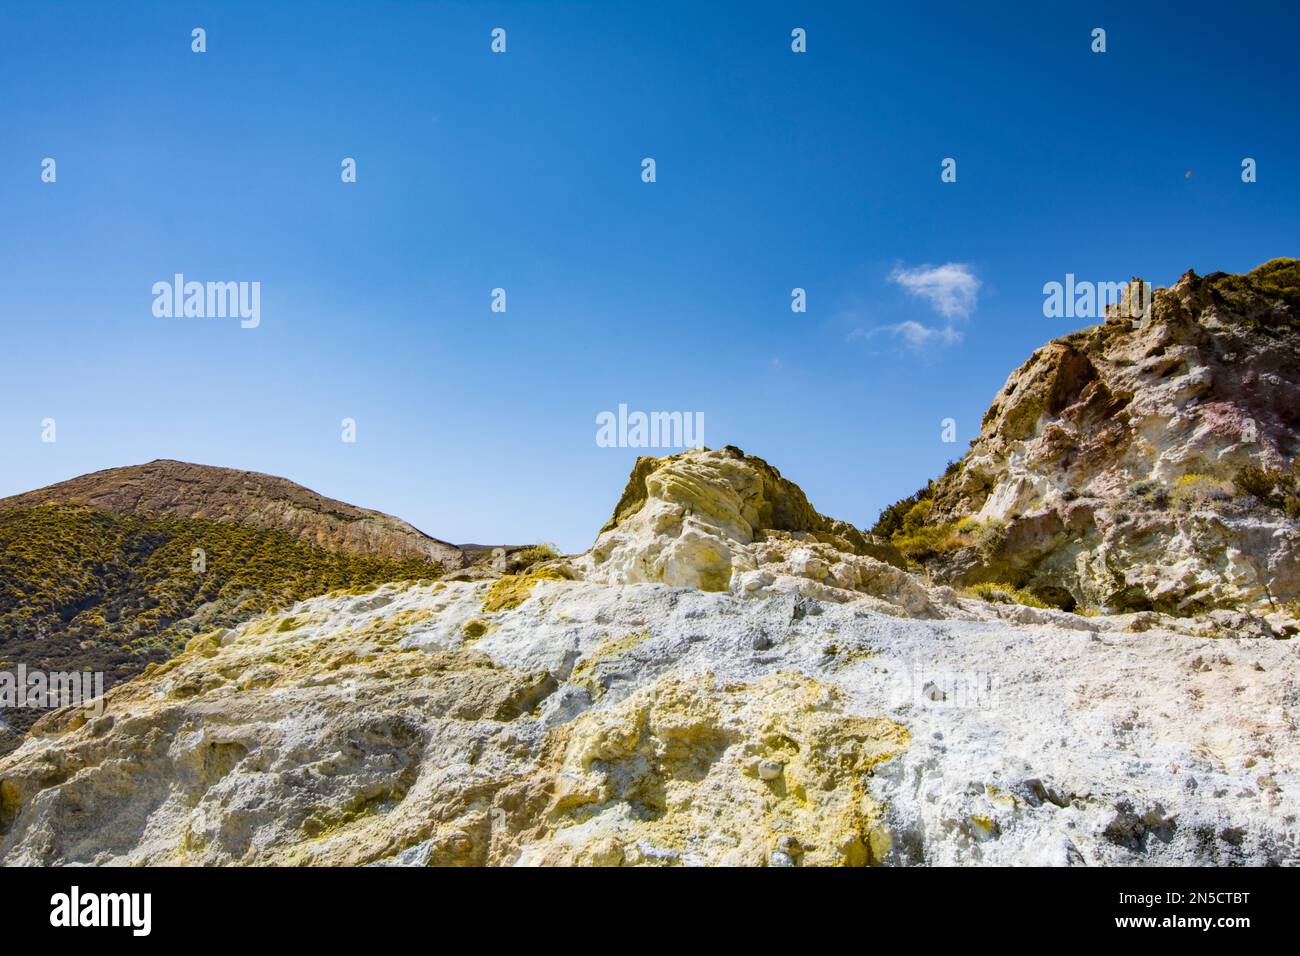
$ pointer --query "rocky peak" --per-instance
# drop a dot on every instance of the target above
(1144, 463)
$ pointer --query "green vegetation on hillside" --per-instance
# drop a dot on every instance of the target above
(891, 518)
(907, 525)
(1275, 279)
(1279, 277)
(82, 589)
(1004, 594)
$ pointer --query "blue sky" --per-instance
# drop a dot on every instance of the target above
(522, 170)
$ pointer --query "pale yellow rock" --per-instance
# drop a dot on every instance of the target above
(726, 521)
(316, 738)
(670, 776)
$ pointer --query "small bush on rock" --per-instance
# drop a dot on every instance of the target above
(1272, 486)
(1003, 594)
(1195, 490)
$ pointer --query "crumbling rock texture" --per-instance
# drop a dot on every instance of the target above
(1109, 466)
(645, 724)
(726, 521)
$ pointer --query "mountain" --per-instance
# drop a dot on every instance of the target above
(1143, 464)
(1052, 655)
(178, 489)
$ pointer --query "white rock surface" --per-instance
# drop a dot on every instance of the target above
(1045, 746)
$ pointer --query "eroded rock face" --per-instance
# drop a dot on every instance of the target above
(692, 771)
(1109, 463)
(357, 729)
(256, 745)
(726, 521)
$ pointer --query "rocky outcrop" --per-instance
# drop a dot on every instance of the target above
(183, 490)
(726, 521)
(1145, 463)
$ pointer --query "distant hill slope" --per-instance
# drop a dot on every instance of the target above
(98, 573)
(88, 590)
(179, 489)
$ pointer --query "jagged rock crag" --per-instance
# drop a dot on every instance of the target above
(1142, 464)
(726, 521)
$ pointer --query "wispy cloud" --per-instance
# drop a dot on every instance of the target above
(912, 334)
(951, 289)
(917, 335)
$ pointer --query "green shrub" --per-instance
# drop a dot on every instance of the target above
(1272, 486)
(928, 541)
(1195, 490)
(1276, 279)
(920, 542)
(916, 516)
(82, 589)
(891, 518)
(1003, 594)
(988, 536)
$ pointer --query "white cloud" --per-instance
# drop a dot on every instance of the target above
(913, 334)
(951, 289)
(918, 336)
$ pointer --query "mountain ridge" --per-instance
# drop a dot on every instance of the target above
(167, 487)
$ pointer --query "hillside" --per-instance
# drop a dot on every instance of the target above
(178, 489)
(83, 589)
(98, 573)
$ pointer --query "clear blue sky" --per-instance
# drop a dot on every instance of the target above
(522, 170)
